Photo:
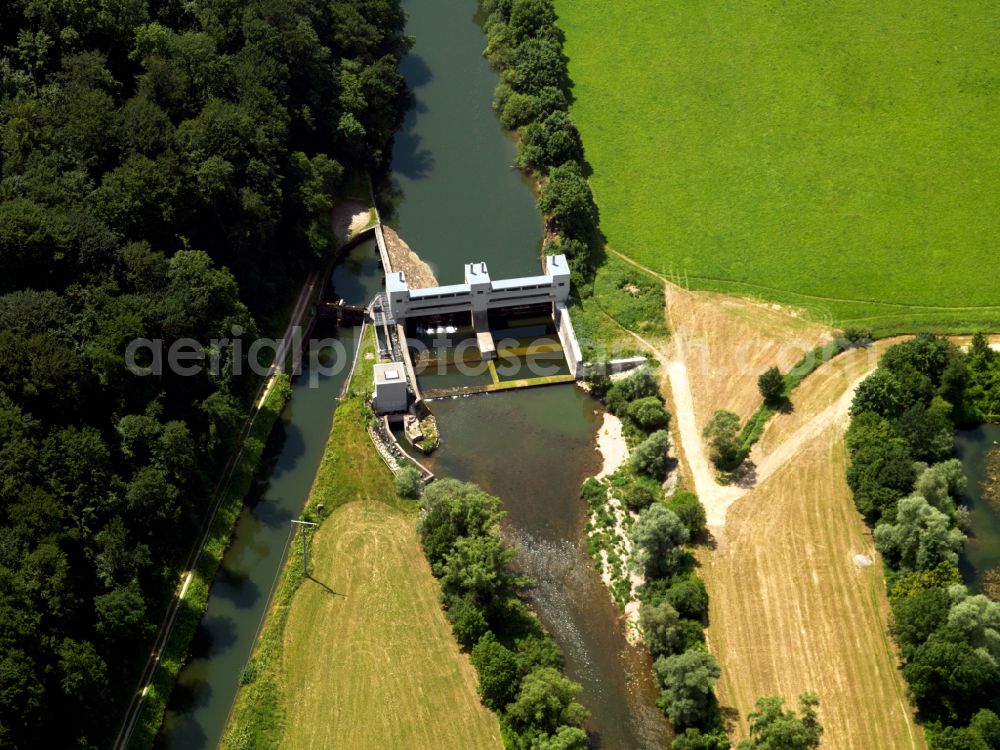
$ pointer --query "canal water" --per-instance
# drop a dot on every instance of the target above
(206, 687)
(979, 451)
(460, 200)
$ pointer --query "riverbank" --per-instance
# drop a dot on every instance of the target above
(386, 641)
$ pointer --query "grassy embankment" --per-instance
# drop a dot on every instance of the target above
(360, 654)
(195, 599)
(837, 157)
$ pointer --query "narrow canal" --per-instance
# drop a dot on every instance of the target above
(460, 200)
(979, 451)
(206, 687)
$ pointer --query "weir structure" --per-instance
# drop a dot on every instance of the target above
(479, 304)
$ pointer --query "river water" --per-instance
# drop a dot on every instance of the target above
(460, 200)
(982, 551)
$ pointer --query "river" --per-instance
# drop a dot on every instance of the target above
(460, 200)
(976, 448)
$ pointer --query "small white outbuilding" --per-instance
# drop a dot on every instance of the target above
(390, 388)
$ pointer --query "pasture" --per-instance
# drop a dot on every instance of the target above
(840, 157)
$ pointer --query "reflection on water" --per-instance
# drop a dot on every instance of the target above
(979, 450)
(357, 277)
(533, 448)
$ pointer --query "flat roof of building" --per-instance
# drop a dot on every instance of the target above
(389, 372)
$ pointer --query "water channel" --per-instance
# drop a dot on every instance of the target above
(458, 200)
(206, 687)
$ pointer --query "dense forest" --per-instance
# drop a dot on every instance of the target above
(168, 170)
(908, 485)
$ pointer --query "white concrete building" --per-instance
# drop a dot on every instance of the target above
(390, 388)
(479, 292)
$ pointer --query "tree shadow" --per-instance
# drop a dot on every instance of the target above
(745, 475)
(410, 158)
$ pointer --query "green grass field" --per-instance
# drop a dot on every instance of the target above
(840, 156)
(360, 654)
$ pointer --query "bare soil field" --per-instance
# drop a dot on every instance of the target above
(792, 611)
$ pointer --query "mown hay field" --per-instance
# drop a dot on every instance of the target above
(841, 156)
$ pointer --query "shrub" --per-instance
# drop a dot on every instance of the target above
(650, 456)
(640, 384)
(648, 413)
(409, 483)
(724, 445)
(638, 495)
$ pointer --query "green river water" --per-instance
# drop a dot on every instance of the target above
(978, 449)
(458, 200)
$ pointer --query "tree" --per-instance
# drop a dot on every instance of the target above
(723, 434)
(478, 567)
(987, 725)
(531, 18)
(928, 432)
(451, 510)
(657, 536)
(467, 620)
(977, 618)
(773, 728)
(940, 483)
(536, 64)
(566, 197)
(409, 482)
(661, 627)
(639, 495)
(689, 597)
(772, 386)
(650, 456)
(921, 538)
(880, 473)
(689, 509)
(498, 672)
(695, 739)
(550, 143)
(687, 680)
(648, 413)
(565, 738)
(948, 679)
(546, 702)
(916, 617)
